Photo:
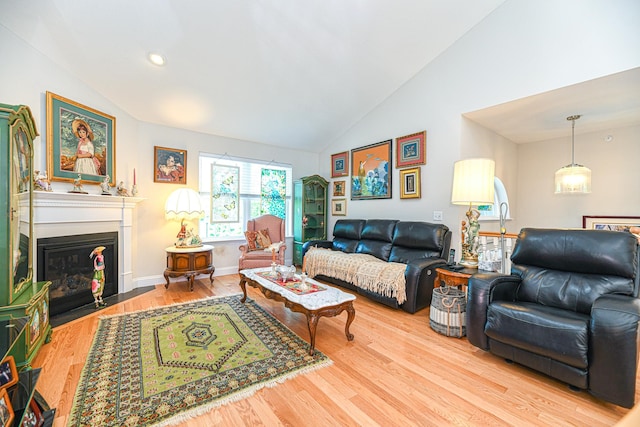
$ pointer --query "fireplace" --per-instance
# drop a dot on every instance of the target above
(65, 262)
(58, 214)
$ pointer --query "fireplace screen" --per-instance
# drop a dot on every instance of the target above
(65, 262)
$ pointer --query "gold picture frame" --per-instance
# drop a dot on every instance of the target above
(170, 165)
(338, 188)
(92, 153)
(410, 183)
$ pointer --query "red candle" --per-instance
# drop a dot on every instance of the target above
(134, 176)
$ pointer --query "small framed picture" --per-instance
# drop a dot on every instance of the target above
(170, 165)
(411, 149)
(33, 416)
(338, 188)
(340, 164)
(339, 207)
(410, 183)
(8, 372)
(6, 410)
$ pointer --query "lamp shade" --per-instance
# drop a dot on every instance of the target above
(573, 179)
(473, 182)
(183, 203)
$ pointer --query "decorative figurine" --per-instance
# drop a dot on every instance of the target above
(77, 185)
(41, 182)
(122, 190)
(106, 189)
(97, 283)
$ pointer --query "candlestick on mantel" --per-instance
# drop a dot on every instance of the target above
(134, 176)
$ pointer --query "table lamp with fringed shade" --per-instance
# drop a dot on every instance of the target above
(184, 204)
(473, 185)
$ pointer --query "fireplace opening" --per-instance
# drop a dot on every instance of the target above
(65, 262)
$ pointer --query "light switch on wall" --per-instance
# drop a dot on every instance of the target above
(437, 215)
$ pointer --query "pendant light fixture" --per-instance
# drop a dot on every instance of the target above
(573, 178)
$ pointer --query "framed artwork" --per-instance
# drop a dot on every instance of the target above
(339, 207)
(340, 164)
(170, 165)
(33, 416)
(410, 183)
(615, 223)
(338, 188)
(8, 372)
(411, 149)
(80, 141)
(6, 410)
(370, 175)
(225, 194)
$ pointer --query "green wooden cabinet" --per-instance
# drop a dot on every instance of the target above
(309, 212)
(20, 295)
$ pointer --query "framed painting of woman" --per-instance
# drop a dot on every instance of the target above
(80, 141)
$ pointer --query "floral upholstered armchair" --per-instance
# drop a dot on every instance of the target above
(265, 243)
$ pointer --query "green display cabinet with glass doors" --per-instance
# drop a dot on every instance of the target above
(20, 295)
(309, 212)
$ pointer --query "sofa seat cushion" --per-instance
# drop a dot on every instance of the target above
(551, 332)
(363, 270)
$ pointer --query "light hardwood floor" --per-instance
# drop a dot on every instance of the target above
(396, 372)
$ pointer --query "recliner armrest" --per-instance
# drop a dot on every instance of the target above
(614, 348)
(483, 288)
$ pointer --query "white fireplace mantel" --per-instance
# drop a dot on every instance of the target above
(65, 214)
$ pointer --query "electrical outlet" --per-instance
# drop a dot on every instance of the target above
(437, 215)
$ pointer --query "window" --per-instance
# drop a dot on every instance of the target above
(249, 200)
(492, 212)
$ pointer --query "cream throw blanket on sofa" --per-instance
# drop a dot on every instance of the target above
(362, 270)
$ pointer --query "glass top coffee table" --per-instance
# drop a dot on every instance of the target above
(314, 301)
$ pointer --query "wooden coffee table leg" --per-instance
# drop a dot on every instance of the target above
(243, 286)
(312, 322)
(351, 314)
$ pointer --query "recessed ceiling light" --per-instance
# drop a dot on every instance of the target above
(157, 59)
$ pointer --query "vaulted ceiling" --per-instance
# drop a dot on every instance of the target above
(284, 72)
(293, 73)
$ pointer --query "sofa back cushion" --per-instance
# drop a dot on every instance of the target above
(376, 238)
(346, 234)
(570, 269)
(414, 239)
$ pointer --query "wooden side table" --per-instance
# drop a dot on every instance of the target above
(447, 277)
(189, 262)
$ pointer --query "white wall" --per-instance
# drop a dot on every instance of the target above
(523, 48)
(615, 178)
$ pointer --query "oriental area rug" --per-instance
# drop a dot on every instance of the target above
(161, 366)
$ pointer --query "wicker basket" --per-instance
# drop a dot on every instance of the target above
(448, 312)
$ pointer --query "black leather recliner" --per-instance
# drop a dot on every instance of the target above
(569, 309)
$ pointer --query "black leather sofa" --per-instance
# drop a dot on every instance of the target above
(421, 245)
(569, 309)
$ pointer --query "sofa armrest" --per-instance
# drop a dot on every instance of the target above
(244, 249)
(483, 288)
(420, 276)
(327, 244)
(614, 348)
